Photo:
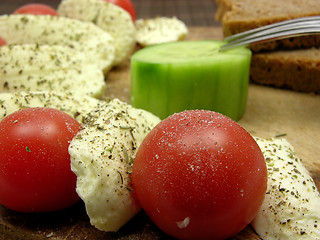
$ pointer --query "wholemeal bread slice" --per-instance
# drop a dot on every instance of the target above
(241, 15)
(292, 63)
(297, 70)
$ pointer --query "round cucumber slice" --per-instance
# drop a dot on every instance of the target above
(173, 77)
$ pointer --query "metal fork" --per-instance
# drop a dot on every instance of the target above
(285, 29)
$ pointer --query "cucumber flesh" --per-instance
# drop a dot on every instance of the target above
(173, 77)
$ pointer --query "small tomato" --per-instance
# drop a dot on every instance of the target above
(199, 175)
(2, 42)
(35, 172)
(36, 9)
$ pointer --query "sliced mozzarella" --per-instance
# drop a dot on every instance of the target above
(31, 67)
(291, 209)
(160, 30)
(102, 155)
(96, 44)
(74, 104)
(111, 18)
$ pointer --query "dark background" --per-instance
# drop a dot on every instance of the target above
(191, 12)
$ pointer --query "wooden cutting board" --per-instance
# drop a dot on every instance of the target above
(270, 113)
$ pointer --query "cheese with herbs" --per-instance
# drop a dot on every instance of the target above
(97, 45)
(291, 209)
(32, 67)
(102, 155)
(160, 30)
(107, 16)
(74, 104)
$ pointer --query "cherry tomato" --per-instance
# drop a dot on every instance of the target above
(199, 175)
(2, 42)
(36, 9)
(35, 173)
(126, 5)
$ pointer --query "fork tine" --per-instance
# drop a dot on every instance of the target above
(294, 27)
(271, 37)
(281, 29)
(294, 21)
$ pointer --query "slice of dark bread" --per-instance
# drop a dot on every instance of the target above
(292, 63)
(241, 15)
(297, 70)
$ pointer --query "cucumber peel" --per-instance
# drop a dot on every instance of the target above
(173, 77)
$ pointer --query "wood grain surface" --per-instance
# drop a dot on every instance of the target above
(270, 112)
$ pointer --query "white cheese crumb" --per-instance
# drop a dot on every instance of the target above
(184, 223)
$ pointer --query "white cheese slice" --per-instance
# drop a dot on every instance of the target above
(102, 156)
(291, 209)
(160, 30)
(85, 37)
(74, 104)
(31, 67)
(109, 17)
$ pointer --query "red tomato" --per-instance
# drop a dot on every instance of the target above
(35, 173)
(199, 175)
(126, 5)
(2, 42)
(36, 9)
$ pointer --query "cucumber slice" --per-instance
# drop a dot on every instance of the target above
(173, 77)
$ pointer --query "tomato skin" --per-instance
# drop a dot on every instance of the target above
(35, 173)
(199, 175)
(126, 5)
(2, 42)
(36, 9)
